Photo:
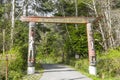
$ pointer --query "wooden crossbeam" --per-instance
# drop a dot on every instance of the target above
(76, 20)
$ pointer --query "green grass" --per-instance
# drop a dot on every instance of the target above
(97, 77)
(37, 75)
(93, 77)
(11, 57)
(108, 66)
(2, 69)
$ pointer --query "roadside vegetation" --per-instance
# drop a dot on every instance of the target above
(38, 73)
(59, 43)
(108, 65)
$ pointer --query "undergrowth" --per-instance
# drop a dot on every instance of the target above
(108, 66)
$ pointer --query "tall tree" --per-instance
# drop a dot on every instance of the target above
(100, 25)
(106, 25)
(13, 22)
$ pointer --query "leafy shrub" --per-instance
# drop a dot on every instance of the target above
(71, 62)
(82, 65)
(2, 70)
(18, 66)
(109, 64)
(15, 75)
(48, 58)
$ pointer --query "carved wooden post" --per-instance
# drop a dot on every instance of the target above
(91, 50)
(31, 50)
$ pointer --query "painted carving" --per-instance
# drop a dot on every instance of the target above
(92, 60)
(31, 46)
(92, 56)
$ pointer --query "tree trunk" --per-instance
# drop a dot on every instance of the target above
(108, 20)
(24, 8)
(100, 27)
(3, 41)
(13, 22)
(76, 12)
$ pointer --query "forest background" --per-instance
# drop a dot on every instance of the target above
(59, 43)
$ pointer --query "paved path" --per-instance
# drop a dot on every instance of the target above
(61, 72)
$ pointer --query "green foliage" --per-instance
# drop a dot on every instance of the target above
(77, 42)
(20, 33)
(37, 75)
(18, 66)
(2, 69)
(82, 65)
(108, 64)
(97, 41)
(5, 24)
(1, 11)
(56, 42)
(49, 50)
(44, 6)
(116, 4)
(48, 58)
(14, 75)
(109, 67)
(67, 8)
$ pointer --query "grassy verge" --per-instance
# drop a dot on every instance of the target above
(97, 77)
(10, 57)
(37, 75)
(85, 72)
(108, 66)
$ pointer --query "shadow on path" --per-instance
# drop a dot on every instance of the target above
(61, 72)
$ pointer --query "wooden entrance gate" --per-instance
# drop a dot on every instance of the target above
(75, 20)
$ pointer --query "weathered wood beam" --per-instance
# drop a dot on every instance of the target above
(76, 20)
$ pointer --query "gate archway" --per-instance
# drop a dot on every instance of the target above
(73, 20)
